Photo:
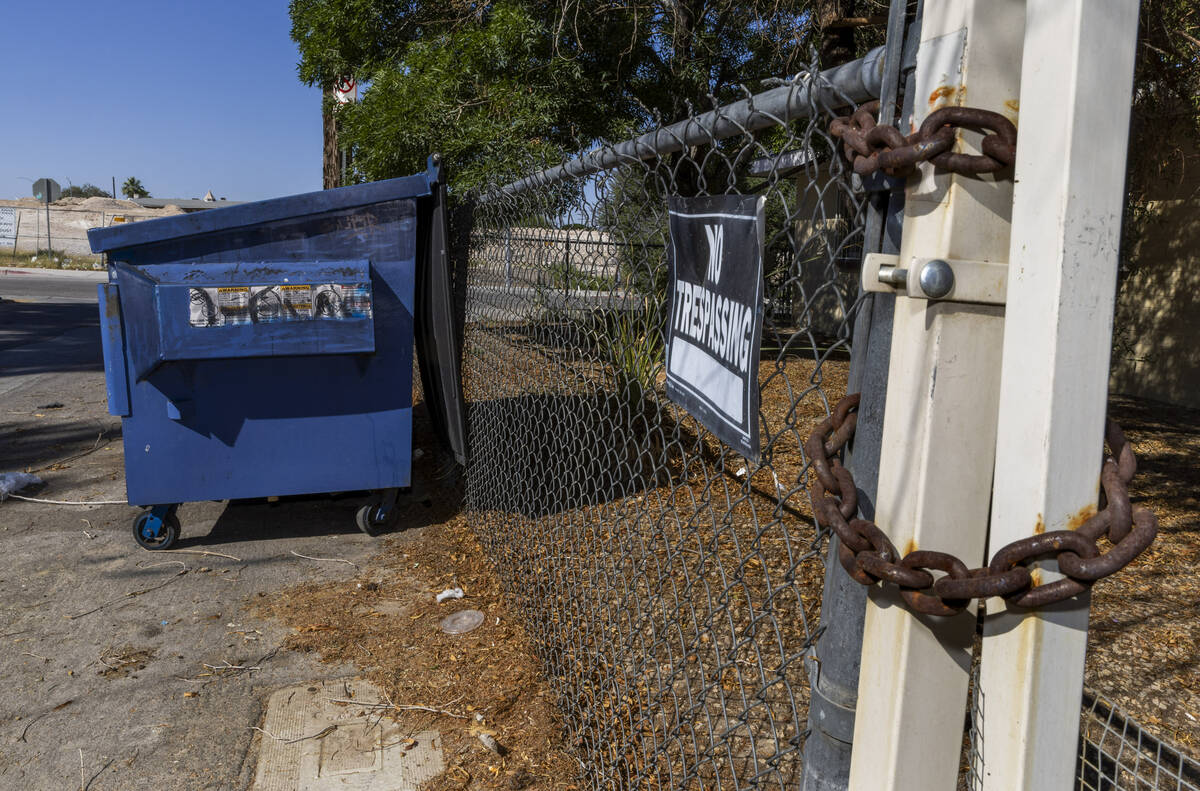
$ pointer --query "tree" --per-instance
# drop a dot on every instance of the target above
(488, 97)
(492, 86)
(84, 191)
(132, 188)
(1165, 119)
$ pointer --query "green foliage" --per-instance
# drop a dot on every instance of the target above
(84, 191)
(489, 97)
(562, 274)
(500, 88)
(337, 38)
(1165, 126)
(132, 188)
(630, 341)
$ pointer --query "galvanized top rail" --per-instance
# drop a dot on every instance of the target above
(857, 81)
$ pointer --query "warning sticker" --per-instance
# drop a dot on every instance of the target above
(356, 300)
(297, 301)
(234, 304)
(266, 304)
(202, 308)
(342, 301)
(231, 305)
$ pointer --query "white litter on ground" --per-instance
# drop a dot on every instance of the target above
(450, 593)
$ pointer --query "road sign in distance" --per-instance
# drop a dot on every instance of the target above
(47, 190)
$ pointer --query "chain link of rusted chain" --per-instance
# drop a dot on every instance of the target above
(869, 556)
(870, 147)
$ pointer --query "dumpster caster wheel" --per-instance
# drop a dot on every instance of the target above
(379, 514)
(155, 530)
(367, 520)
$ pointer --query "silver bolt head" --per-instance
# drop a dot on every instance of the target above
(937, 279)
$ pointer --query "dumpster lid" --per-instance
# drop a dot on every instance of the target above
(149, 231)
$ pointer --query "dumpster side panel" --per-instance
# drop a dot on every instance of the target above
(112, 341)
(254, 427)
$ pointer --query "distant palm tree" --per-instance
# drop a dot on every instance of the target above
(132, 188)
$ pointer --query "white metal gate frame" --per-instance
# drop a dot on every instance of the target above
(994, 414)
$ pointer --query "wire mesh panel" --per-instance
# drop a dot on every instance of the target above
(670, 585)
(1117, 754)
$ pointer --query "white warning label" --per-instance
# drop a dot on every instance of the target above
(297, 301)
(234, 304)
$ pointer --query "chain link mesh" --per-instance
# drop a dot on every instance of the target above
(670, 586)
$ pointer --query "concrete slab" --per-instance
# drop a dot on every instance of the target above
(314, 741)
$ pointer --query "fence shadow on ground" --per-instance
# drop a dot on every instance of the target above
(558, 452)
(23, 448)
(49, 337)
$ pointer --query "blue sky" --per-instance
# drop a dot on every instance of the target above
(186, 96)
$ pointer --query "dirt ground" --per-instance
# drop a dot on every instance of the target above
(1144, 640)
(1143, 651)
(488, 681)
(152, 670)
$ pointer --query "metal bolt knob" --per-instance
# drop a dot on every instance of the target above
(936, 279)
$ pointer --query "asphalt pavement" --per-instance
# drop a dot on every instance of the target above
(109, 650)
(57, 286)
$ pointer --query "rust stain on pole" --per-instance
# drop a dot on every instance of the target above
(1081, 516)
(943, 93)
(1012, 110)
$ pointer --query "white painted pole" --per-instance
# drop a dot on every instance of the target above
(1066, 227)
(939, 425)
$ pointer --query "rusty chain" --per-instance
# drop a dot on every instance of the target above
(870, 147)
(869, 556)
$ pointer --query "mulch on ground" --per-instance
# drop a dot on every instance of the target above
(1143, 648)
(1144, 637)
(385, 620)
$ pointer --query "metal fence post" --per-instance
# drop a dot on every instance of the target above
(834, 662)
(1075, 100)
(939, 426)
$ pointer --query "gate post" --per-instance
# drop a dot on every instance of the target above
(834, 660)
(940, 418)
(1066, 230)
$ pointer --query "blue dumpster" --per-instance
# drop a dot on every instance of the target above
(266, 349)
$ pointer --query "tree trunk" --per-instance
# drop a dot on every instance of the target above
(837, 42)
(331, 159)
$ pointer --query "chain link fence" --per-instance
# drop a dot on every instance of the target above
(670, 585)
